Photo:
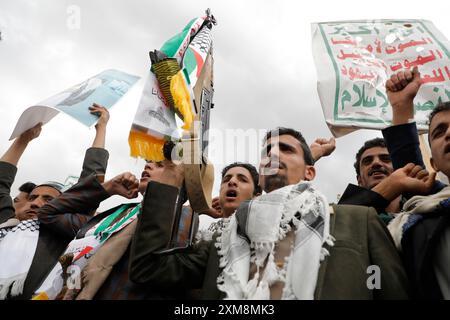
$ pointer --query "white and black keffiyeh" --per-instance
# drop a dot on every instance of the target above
(208, 234)
(250, 236)
(414, 210)
(17, 247)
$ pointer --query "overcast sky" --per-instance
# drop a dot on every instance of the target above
(264, 72)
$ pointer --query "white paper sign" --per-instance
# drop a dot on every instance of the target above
(355, 58)
(105, 88)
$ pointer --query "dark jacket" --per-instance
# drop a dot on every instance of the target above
(420, 241)
(402, 151)
(362, 240)
(60, 219)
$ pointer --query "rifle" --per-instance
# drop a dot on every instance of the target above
(181, 82)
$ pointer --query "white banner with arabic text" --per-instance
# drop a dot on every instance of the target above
(355, 58)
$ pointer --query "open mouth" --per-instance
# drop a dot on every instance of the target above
(145, 175)
(232, 194)
(447, 149)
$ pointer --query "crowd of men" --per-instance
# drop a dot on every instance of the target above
(277, 236)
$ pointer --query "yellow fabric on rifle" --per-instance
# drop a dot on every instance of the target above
(40, 296)
(146, 146)
(182, 99)
(164, 71)
(174, 89)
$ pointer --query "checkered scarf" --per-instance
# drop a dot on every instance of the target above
(414, 210)
(17, 247)
(250, 236)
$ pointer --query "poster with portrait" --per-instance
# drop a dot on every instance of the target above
(105, 88)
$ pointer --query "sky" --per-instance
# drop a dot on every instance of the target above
(263, 68)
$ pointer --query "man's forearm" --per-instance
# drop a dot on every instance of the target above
(100, 137)
(70, 210)
(357, 195)
(7, 175)
(402, 114)
(95, 162)
(403, 150)
(14, 152)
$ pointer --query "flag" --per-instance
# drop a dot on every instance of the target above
(175, 70)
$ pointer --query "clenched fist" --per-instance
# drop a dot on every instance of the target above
(125, 185)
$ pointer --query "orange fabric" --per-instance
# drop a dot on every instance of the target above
(145, 146)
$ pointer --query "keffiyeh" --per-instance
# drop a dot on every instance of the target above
(250, 236)
(413, 211)
(17, 247)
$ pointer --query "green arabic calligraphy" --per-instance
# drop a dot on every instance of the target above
(430, 105)
(363, 100)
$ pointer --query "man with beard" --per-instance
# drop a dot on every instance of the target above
(285, 244)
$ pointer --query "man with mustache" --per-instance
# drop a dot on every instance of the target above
(422, 230)
(95, 160)
(381, 187)
(373, 164)
(29, 248)
(285, 244)
(33, 237)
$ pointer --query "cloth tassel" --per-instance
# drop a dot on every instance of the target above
(330, 240)
(17, 287)
(4, 289)
(323, 254)
(145, 146)
(271, 273)
(16, 284)
(252, 286)
(262, 292)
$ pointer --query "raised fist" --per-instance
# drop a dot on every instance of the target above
(125, 185)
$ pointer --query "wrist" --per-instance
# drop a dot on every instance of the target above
(402, 113)
(108, 187)
(100, 126)
(316, 154)
(389, 189)
(21, 142)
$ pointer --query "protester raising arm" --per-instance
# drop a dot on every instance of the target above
(8, 170)
(68, 212)
(15, 151)
(100, 127)
(401, 89)
(322, 147)
(96, 157)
